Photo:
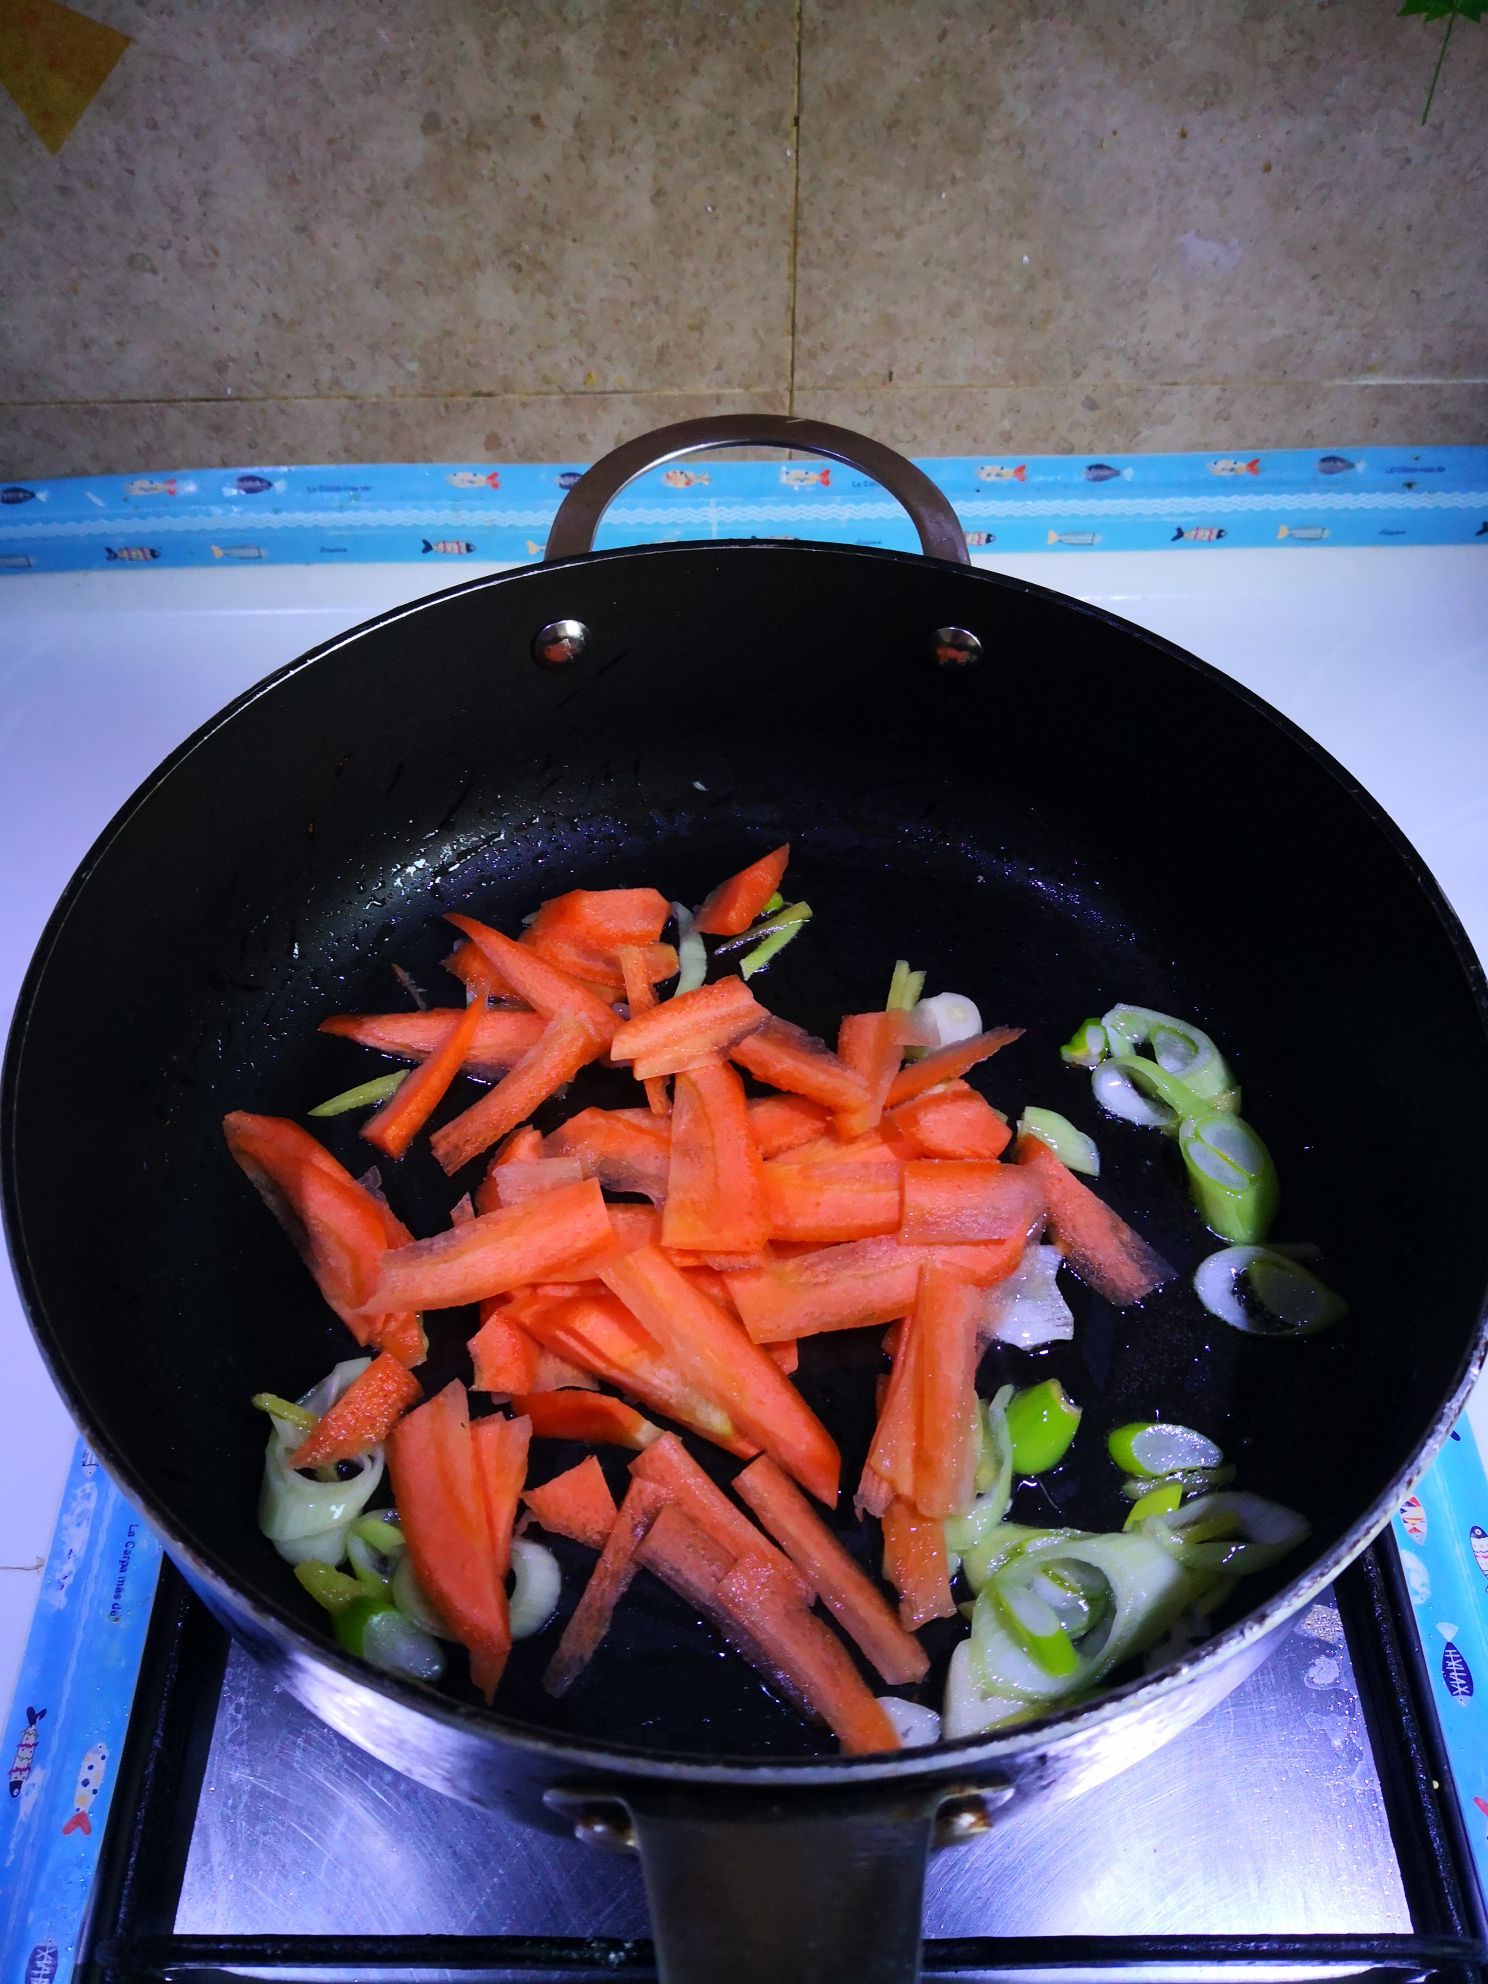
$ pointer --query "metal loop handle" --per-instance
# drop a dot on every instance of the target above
(940, 532)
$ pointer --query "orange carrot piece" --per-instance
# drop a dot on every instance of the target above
(441, 1506)
(560, 1374)
(608, 1583)
(847, 1592)
(957, 1199)
(501, 1462)
(521, 1147)
(688, 1028)
(794, 1643)
(891, 1464)
(568, 1044)
(709, 1349)
(640, 997)
(872, 1045)
(948, 1441)
(782, 1122)
(786, 1355)
(715, 1199)
(668, 1465)
(362, 1417)
(501, 1038)
(953, 1121)
(393, 1127)
(586, 1415)
(496, 1251)
(734, 904)
(529, 1177)
(577, 1504)
(915, 1564)
(788, 1057)
(502, 1354)
(335, 1224)
(544, 987)
(855, 1285)
(832, 1201)
(1106, 1253)
(401, 1332)
(948, 1063)
(593, 924)
(627, 1150)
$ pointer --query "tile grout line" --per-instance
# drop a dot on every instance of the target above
(795, 220)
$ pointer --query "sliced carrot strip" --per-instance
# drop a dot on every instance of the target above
(915, 1564)
(599, 921)
(781, 1122)
(441, 1506)
(968, 1199)
(577, 1504)
(544, 987)
(788, 1057)
(496, 1251)
(715, 1200)
(335, 1224)
(861, 1283)
(608, 1583)
(847, 1592)
(529, 1177)
(501, 1462)
(734, 904)
(586, 1415)
(501, 1039)
(521, 1147)
(670, 1466)
(568, 1044)
(948, 1063)
(953, 1121)
(872, 1045)
(1103, 1250)
(948, 1442)
(394, 1126)
(890, 1468)
(362, 1417)
(689, 1028)
(786, 1355)
(713, 1353)
(627, 1150)
(832, 1201)
(640, 997)
(502, 1354)
(561, 1374)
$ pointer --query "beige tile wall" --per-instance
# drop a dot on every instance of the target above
(347, 229)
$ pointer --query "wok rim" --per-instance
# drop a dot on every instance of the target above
(465, 1722)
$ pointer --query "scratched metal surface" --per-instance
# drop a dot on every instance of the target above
(1266, 1818)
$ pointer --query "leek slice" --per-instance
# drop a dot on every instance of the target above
(1071, 1146)
(915, 1724)
(1027, 1309)
(1087, 1047)
(788, 924)
(1185, 1481)
(968, 1709)
(1231, 1176)
(692, 953)
(1286, 1299)
(362, 1096)
(968, 1537)
(1157, 1447)
(1179, 1049)
(945, 1019)
(1041, 1423)
(414, 1603)
(303, 1517)
(536, 1585)
(1153, 1501)
(905, 988)
(1232, 1532)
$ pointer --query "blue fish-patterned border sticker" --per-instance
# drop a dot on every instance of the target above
(69, 1717)
(1300, 501)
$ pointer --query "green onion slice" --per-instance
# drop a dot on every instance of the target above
(692, 953)
(789, 924)
(363, 1095)
(1071, 1146)
(1265, 1292)
(1231, 1176)
(1178, 1048)
(1087, 1047)
(905, 987)
(1154, 1448)
(1041, 1423)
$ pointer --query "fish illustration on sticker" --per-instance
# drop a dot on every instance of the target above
(474, 478)
(1086, 537)
(806, 478)
(14, 493)
(237, 551)
(1104, 472)
(1337, 465)
(568, 478)
(41, 1965)
(684, 478)
(129, 554)
(90, 1777)
(252, 485)
(1417, 1577)
(25, 1756)
(16, 561)
(450, 547)
(1000, 472)
(1456, 1673)
(144, 486)
(1413, 1519)
(1205, 534)
(976, 539)
(1228, 465)
(1482, 529)
(1303, 533)
(1482, 1805)
(1477, 1536)
(534, 550)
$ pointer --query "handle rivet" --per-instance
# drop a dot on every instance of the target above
(955, 647)
(969, 1815)
(608, 1827)
(560, 642)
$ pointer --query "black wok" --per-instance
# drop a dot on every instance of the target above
(1078, 813)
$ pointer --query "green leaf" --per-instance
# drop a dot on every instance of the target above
(1440, 10)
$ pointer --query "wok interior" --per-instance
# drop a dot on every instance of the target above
(1084, 818)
